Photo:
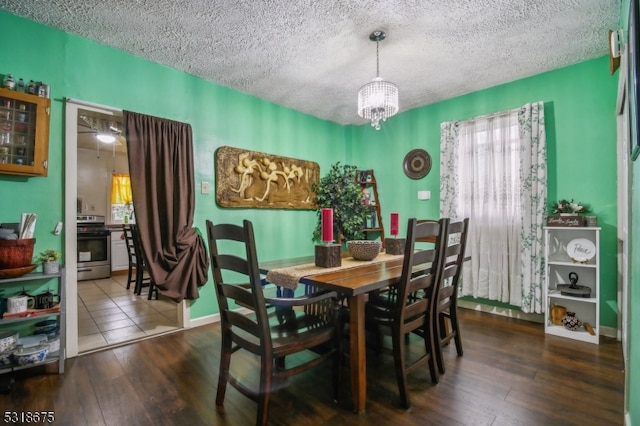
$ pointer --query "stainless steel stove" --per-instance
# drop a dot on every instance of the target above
(94, 248)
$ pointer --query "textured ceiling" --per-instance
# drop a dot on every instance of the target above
(312, 55)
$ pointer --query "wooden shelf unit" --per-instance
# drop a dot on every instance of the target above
(374, 226)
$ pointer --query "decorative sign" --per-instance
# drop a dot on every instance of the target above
(249, 179)
(581, 250)
(572, 221)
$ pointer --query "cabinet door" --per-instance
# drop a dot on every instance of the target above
(24, 133)
(119, 257)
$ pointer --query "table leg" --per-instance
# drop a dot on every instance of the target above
(358, 353)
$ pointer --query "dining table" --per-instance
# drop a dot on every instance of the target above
(353, 279)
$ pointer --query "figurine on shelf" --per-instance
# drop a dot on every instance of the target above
(366, 196)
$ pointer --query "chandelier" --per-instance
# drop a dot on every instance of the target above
(377, 100)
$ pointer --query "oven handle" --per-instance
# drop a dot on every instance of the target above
(86, 235)
(85, 269)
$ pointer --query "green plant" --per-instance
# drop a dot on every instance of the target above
(49, 255)
(340, 191)
(570, 206)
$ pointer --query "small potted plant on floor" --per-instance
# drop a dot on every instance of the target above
(49, 259)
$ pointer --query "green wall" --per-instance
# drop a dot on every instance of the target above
(77, 68)
(581, 150)
(579, 108)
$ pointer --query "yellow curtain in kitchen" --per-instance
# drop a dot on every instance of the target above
(121, 189)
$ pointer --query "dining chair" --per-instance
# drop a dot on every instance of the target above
(142, 274)
(407, 307)
(311, 322)
(131, 254)
(446, 305)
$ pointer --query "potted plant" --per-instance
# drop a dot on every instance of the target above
(567, 213)
(49, 259)
(340, 191)
(568, 207)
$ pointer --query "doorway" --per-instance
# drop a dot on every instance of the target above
(102, 312)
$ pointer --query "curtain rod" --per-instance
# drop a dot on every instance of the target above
(92, 105)
(495, 114)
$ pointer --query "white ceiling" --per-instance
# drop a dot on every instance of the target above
(313, 55)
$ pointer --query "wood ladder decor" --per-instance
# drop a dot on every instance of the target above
(373, 224)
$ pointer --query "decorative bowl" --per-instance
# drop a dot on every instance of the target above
(49, 331)
(16, 272)
(364, 249)
(46, 323)
(32, 355)
(8, 339)
(5, 357)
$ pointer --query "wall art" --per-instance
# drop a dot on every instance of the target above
(250, 179)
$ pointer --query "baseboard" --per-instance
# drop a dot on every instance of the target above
(209, 319)
(505, 312)
(514, 313)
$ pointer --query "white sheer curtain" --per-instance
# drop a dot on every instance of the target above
(493, 171)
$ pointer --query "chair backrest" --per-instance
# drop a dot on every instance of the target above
(137, 246)
(454, 258)
(128, 238)
(420, 271)
(239, 264)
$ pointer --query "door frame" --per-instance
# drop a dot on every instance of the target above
(70, 219)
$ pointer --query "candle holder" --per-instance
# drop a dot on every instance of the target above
(395, 245)
(328, 255)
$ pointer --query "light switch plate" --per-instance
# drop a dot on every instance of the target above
(204, 187)
(424, 195)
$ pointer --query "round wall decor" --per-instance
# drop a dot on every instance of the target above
(417, 164)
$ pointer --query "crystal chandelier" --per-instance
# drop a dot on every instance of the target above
(377, 100)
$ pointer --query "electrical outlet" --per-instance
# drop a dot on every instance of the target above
(204, 187)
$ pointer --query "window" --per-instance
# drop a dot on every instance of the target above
(121, 198)
(493, 171)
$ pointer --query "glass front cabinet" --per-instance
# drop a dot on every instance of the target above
(24, 133)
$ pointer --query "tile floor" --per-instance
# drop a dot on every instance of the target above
(109, 314)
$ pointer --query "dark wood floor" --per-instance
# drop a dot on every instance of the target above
(510, 374)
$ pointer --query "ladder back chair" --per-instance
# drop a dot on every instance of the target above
(407, 307)
(446, 306)
(131, 254)
(310, 323)
(142, 274)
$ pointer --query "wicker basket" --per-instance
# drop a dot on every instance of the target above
(16, 253)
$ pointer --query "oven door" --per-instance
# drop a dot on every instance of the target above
(93, 247)
(94, 254)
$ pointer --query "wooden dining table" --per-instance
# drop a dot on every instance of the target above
(353, 281)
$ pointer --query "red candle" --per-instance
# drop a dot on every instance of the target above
(327, 225)
(394, 224)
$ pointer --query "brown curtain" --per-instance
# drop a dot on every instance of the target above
(162, 182)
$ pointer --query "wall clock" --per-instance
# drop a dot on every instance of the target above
(417, 164)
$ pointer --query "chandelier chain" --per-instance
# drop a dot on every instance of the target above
(377, 59)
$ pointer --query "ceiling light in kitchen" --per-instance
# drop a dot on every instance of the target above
(106, 138)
